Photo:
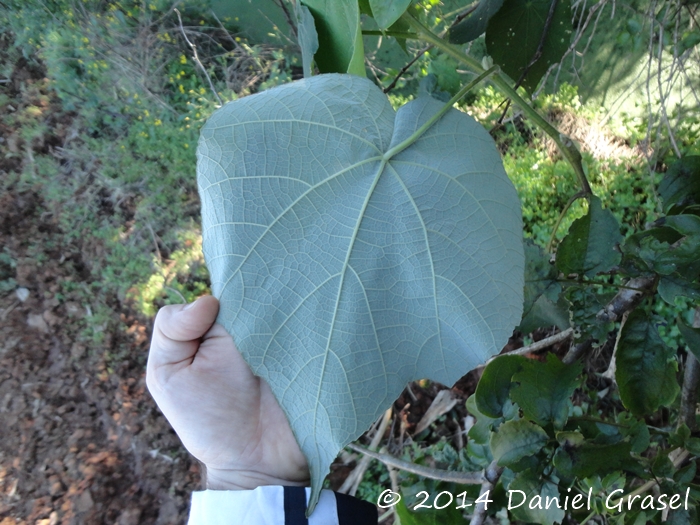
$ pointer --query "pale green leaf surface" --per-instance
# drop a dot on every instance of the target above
(343, 272)
(308, 38)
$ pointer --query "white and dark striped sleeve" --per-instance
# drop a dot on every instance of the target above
(274, 505)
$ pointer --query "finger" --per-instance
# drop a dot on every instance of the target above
(178, 329)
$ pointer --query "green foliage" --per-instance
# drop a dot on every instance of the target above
(514, 38)
(125, 81)
(543, 299)
(493, 390)
(590, 246)
(692, 338)
(340, 47)
(474, 25)
(680, 187)
(542, 390)
(515, 440)
(646, 368)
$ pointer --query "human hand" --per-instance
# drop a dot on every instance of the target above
(225, 416)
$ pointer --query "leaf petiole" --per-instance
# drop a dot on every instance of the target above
(432, 120)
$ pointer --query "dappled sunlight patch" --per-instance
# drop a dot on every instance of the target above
(179, 279)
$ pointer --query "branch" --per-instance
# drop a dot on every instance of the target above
(196, 58)
(564, 143)
(679, 459)
(626, 299)
(492, 473)
(355, 477)
(537, 346)
(691, 380)
(406, 68)
(465, 478)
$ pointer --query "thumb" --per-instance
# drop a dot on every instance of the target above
(178, 329)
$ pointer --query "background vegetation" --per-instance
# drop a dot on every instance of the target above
(100, 107)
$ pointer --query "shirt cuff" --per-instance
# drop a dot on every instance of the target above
(262, 506)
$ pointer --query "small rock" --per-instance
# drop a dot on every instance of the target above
(22, 294)
(51, 318)
(129, 517)
(37, 321)
(84, 502)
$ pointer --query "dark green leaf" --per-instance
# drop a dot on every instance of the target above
(339, 36)
(584, 305)
(668, 250)
(692, 338)
(401, 26)
(673, 286)
(481, 430)
(365, 8)
(679, 517)
(308, 38)
(494, 386)
(589, 247)
(686, 474)
(693, 446)
(636, 430)
(516, 440)
(528, 484)
(587, 459)
(542, 390)
(513, 37)
(680, 186)
(662, 467)
(645, 368)
(386, 12)
(542, 292)
(474, 25)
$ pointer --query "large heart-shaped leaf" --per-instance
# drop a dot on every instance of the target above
(345, 267)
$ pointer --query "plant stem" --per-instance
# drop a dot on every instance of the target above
(680, 458)
(535, 347)
(466, 478)
(563, 213)
(395, 34)
(432, 120)
(564, 143)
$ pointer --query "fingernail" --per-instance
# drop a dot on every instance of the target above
(190, 305)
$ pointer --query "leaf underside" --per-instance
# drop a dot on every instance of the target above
(344, 272)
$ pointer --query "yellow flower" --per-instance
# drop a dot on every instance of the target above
(183, 59)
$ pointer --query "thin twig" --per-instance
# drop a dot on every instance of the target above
(407, 67)
(355, 477)
(534, 59)
(196, 58)
(492, 474)
(537, 346)
(680, 458)
(564, 143)
(627, 298)
(465, 478)
(288, 16)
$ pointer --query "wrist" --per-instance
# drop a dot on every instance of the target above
(217, 479)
